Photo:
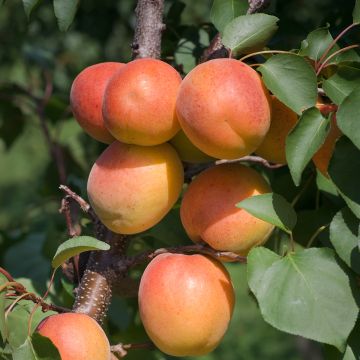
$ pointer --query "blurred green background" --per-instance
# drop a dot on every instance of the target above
(35, 54)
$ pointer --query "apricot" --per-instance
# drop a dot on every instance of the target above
(132, 187)
(86, 98)
(76, 336)
(139, 103)
(185, 303)
(208, 212)
(283, 120)
(322, 157)
(187, 150)
(223, 108)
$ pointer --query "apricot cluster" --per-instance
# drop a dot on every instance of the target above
(154, 120)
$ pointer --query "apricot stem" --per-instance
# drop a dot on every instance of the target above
(333, 55)
(315, 234)
(6, 274)
(266, 52)
(332, 44)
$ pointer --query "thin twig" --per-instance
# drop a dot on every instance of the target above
(187, 249)
(6, 274)
(251, 159)
(332, 44)
(333, 55)
(121, 350)
(315, 235)
(266, 52)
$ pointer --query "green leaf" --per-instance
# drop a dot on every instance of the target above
(345, 237)
(29, 6)
(65, 11)
(304, 140)
(272, 208)
(190, 48)
(3, 280)
(259, 260)
(356, 12)
(17, 322)
(348, 117)
(300, 294)
(223, 11)
(344, 171)
(292, 80)
(248, 32)
(76, 246)
(316, 43)
(37, 348)
(342, 83)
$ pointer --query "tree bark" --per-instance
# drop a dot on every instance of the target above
(149, 28)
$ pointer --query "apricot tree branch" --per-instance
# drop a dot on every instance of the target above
(149, 28)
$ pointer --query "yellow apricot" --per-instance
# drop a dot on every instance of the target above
(76, 336)
(187, 151)
(185, 303)
(208, 212)
(283, 119)
(132, 187)
(223, 108)
(86, 98)
(139, 103)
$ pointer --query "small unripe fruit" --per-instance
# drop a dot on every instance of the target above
(208, 212)
(185, 303)
(283, 119)
(187, 151)
(132, 187)
(86, 98)
(139, 103)
(76, 336)
(223, 108)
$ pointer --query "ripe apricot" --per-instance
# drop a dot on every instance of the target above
(132, 187)
(223, 108)
(322, 157)
(208, 211)
(86, 98)
(76, 336)
(187, 150)
(139, 103)
(283, 120)
(185, 303)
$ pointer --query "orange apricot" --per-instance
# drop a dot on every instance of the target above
(283, 120)
(223, 108)
(76, 336)
(187, 151)
(139, 103)
(185, 303)
(322, 157)
(86, 98)
(132, 187)
(208, 212)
